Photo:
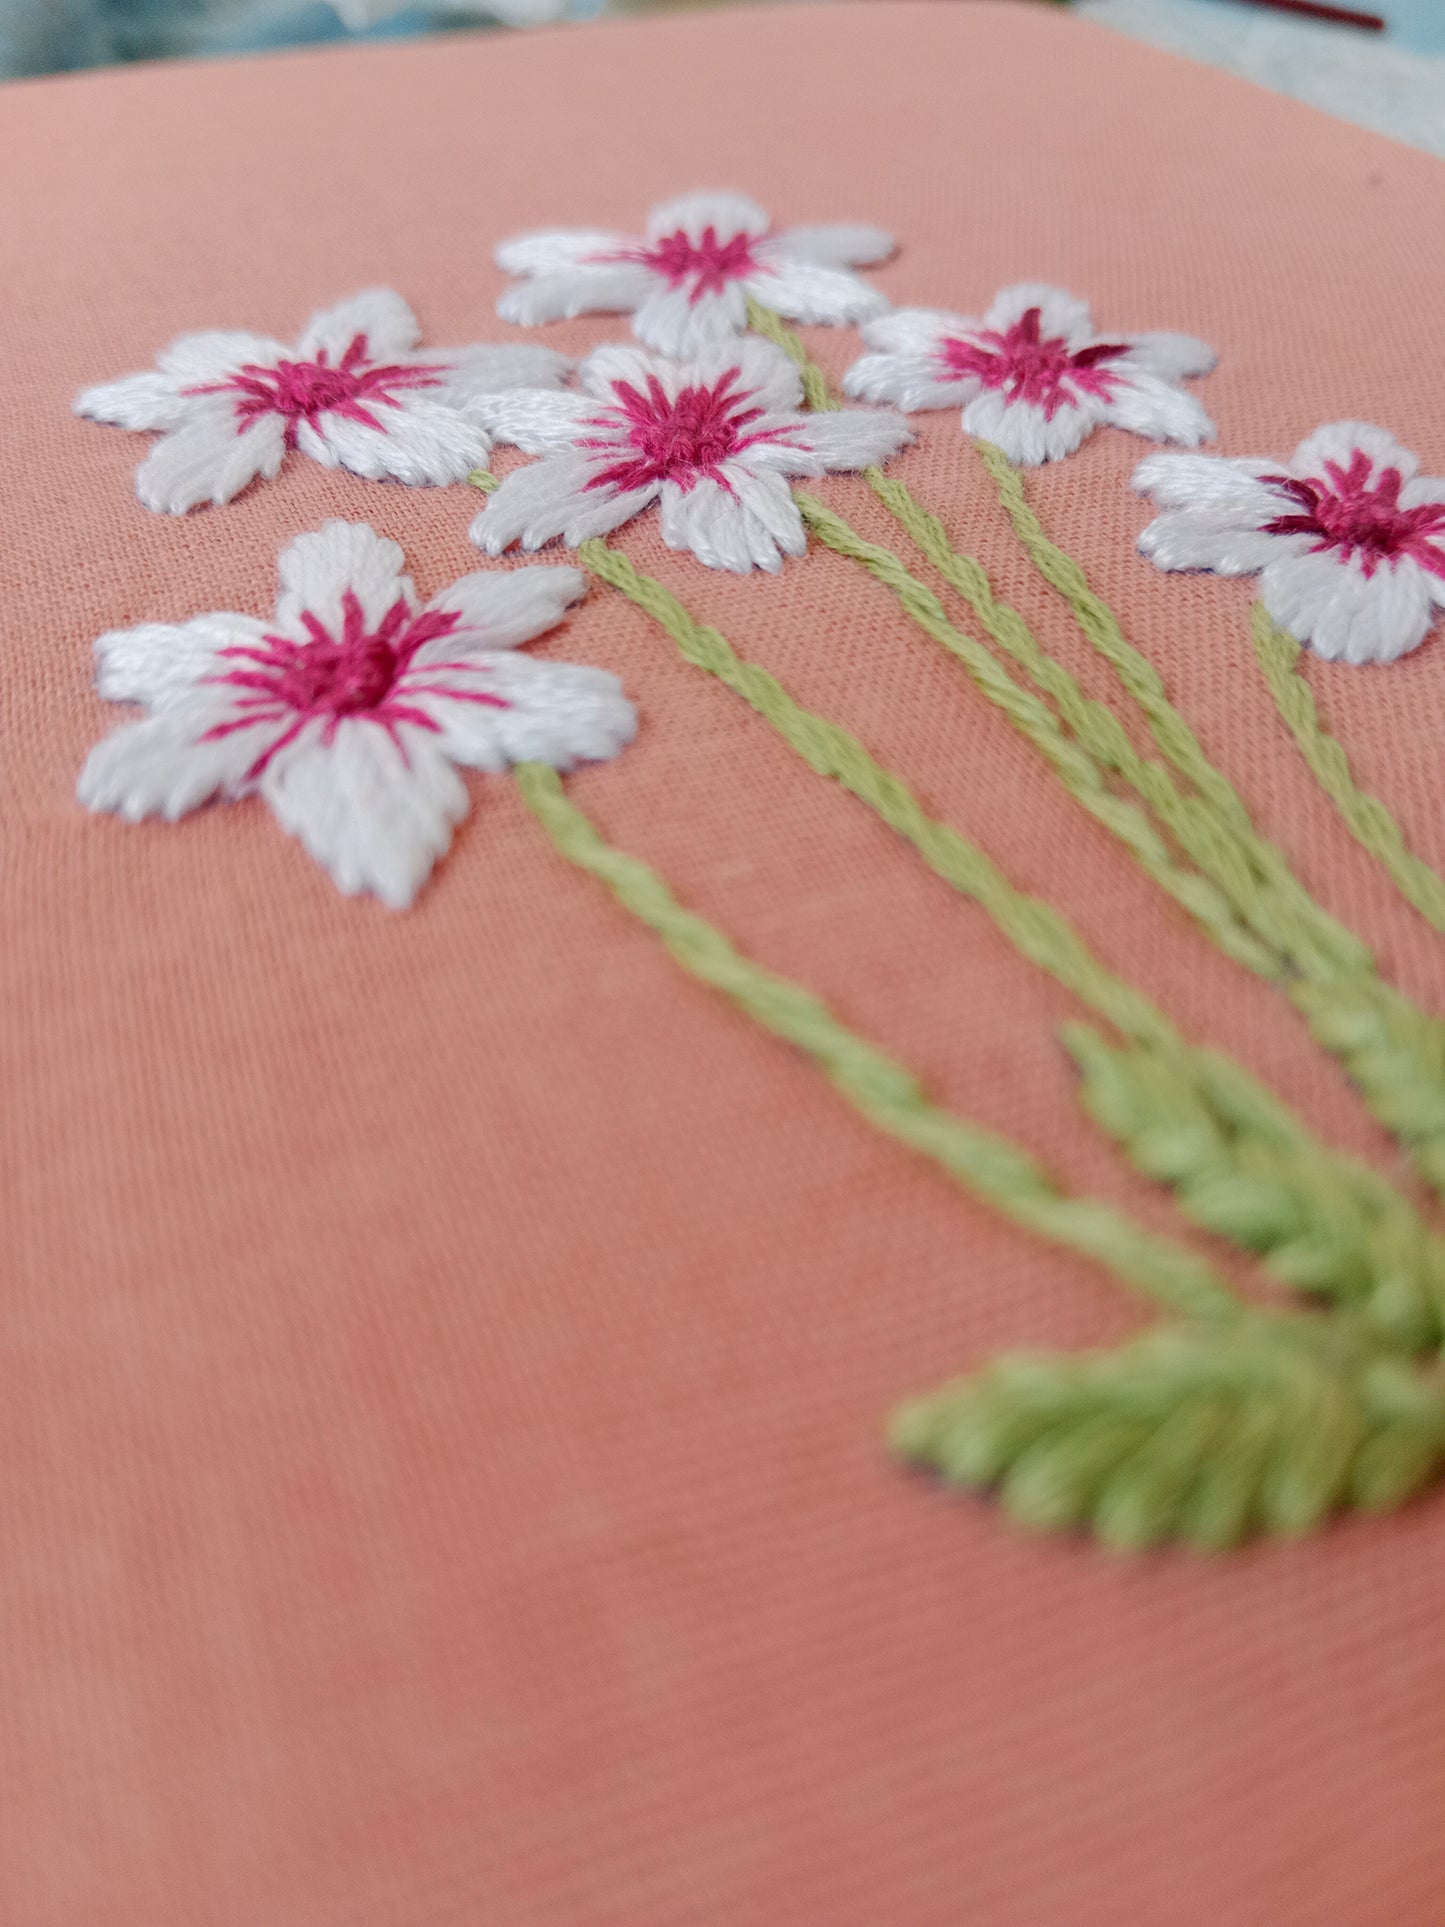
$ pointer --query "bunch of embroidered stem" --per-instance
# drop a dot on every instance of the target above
(1234, 1416)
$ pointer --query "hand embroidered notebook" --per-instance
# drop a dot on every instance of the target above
(856, 967)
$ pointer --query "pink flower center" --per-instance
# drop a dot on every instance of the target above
(363, 672)
(1360, 515)
(301, 390)
(708, 263)
(1043, 371)
(683, 440)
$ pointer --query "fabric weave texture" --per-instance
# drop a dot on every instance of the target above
(442, 1474)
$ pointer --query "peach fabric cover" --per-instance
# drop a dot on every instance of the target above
(446, 1354)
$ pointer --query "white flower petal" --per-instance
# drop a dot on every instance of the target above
(148, 400)
(195, 361)
(1209, 481)
(500, 611)
(420, 442)
(551, 250)
(373, 811)
(320, 567)
(1025, 433)
(1338, 441)
(720, 530)
(172, 763)
(1422, 492)
(161, 663)
(551, 498)
(770, 500)
(807, 292)
(1203, 539)
(911, 380)
(1060, 313)
(843, 438)
(206, 459)
(760, 370)
(837, 244)
(727, 214)
(494, 368)
(1342, 613)
(390, 327)
(679, 321)
(1146, 405)
(916, 331)
(613, 289)
(534, 419)
(618, 361)
(555, 713)
(1171, 357)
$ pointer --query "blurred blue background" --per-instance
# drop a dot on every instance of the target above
(51, 36)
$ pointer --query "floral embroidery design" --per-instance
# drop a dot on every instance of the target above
(687, 281)
(1032, 376)
(355, 392)
(1348, 540)
(712, 439)
(351, 710)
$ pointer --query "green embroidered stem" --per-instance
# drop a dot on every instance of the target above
(1393, 1049)
(1205, 1431)
(890, 1097)
(1033, 927)
(1199, 1433)
(816, 391)
(1365, 816)
(1076, 767)
(1370, 1208)
(484, 479)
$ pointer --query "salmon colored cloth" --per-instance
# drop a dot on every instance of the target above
(446, 1355)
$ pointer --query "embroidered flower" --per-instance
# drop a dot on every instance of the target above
(713, 438)
(689, 277)
(355, 392)
(1348, 540)
(350, 710)
(1032, 376)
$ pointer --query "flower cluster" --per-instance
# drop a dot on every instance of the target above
(350, 712)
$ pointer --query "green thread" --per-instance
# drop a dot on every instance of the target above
(1205, 1434)
(816, 391)
(1033, 927)
(1392, 1048)
(1242, 1166)
(1365, 816)
(1076, 768)
(483, 479)
(1370, 1208)
(1236, 1422)
(881, 1090)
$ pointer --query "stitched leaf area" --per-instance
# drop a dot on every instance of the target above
(1239, 1165)
(1205, 1434)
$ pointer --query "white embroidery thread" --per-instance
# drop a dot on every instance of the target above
(355, 392)
(1033, 377)
(1348, 539)
(350, 712)
(713, 439)
(686, 282)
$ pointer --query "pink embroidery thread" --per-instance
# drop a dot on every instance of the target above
(302, 390)
(356, 674)
(678, 257)
(1352, 516)
(684, 440)
(1041, 371)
